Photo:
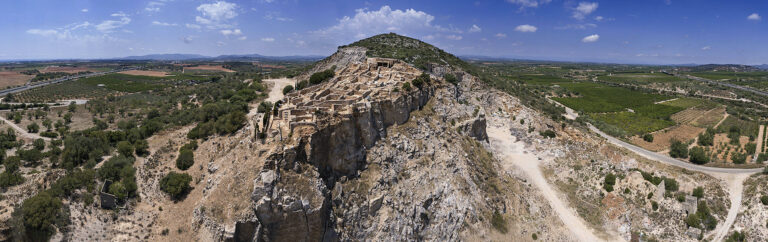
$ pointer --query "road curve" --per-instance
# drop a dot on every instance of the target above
(672, 161)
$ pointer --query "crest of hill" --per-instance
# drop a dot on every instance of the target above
(410, 50)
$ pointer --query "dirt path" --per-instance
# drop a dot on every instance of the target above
(760, 138)
(276, 93)
(513, 155)
(735, 185)
(733, 178)
(725, 116)
(23, 132)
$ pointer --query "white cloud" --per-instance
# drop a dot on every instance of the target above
(163, 23)
(216, 15)
(370, 22)
(577, 26)
(219, 43)
(475, 29)
(584, 9)
(501, 35)
(529, 3)
(268, 39)
(44, 32)
(706, 48)
(599, 18)
(591, 38)
(242, 38)
(84, 10)
(526, 28)
(193, 26)
(276, 16)
(231, 32)
(187, 39)
(454, 37)
(754, 16)
(109, 26)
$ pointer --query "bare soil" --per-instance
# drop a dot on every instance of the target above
(12, 78)
(662, 139)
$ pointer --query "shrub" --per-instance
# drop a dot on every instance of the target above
(548, 133)
(706, 138)
(762, 157)
(737, 236)
(610, 180)
(693, 220)
(750, 147)
(450, 78)
(185, 160)
(287, 89)
(698, 192)
(322, 76)
(698, 155)
(33, 128)
(678, 149)
(40, 212)
(39, 144)
(498, 222)
(142, 147)
(739, 158)
(407, 86)
(264, 107)
(125, 148)
(764, 199)
(654, 205)
(175, 184)
(648, 137)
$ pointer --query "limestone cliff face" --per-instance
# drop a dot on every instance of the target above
(343, 57)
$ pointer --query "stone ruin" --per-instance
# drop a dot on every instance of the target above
(108, 201)
(352, 89)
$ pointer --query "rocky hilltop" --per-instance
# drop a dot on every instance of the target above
(392, 139)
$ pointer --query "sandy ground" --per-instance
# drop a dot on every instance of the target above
(276, 93)
(735, 185)
(513, 155)
(145, 73)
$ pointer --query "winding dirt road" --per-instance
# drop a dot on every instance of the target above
(513, 155)
(733, 177)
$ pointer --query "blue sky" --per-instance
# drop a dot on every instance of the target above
(647, 31)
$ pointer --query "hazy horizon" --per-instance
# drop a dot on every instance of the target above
(648, 32)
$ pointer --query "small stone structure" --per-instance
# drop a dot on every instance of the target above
(660, 190)
(691, 204)
(108, 201)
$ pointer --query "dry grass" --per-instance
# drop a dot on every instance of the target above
(145, 73)
(662, 139)
(12, 78)
(710, 118)
(66, 69)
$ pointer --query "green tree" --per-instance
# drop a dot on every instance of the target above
(40, 212)
(185, 160)
(125, 148)
(287, 89)
(176, 184)
(119, 190)
(142, 147)
(33, 128)
(739, 158)
(678, 149)
(698, 155)
(698, 192)
(39, 144)
(648, 137)
(609, 182)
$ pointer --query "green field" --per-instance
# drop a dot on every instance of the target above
(632, 123)
(747, 128)
(639, 77)
(133, 83)
(598, 98)
(633, 112)
(720, 75)
(546, 80)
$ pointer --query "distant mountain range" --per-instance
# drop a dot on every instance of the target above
(248, 57)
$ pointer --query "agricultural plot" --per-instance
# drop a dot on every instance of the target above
(12, 79)
(632, 123)
(724, 75)
(747, 128)
(639, 78)
(663, 138)
(540, 79)
(597, 98)
(145, 73)
(125, 83)
(205, 69)
(62, 91)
